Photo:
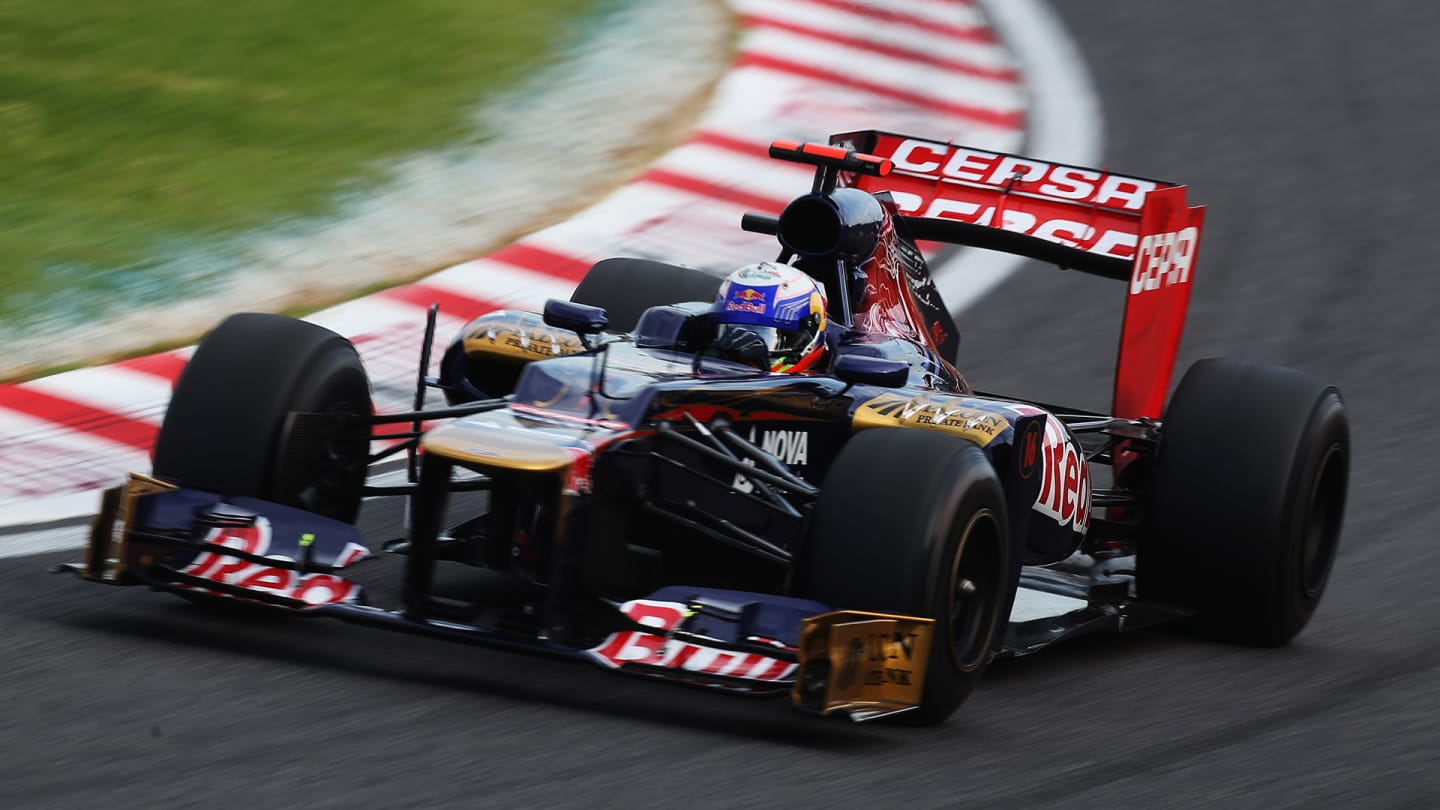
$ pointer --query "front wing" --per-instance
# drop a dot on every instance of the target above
(197, 544)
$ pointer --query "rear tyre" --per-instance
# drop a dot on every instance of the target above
(914, 522)
(229, 429)
(625, 288)
(1247, 499)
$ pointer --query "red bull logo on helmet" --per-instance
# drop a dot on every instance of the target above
(746, 299)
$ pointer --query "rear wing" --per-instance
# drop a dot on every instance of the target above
(1132, 229)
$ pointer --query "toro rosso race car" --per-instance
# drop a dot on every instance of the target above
(775, 482)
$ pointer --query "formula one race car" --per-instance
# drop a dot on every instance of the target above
(775, 482)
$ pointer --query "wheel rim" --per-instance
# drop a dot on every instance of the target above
(1320, 533)
(330, 487)
(973, 586)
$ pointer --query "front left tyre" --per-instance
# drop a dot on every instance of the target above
(913, 522)
(232, 427)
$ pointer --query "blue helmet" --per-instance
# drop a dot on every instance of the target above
(782, 305)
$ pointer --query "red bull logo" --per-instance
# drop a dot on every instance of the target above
(312, 589)
(657, 649)
(746, 300)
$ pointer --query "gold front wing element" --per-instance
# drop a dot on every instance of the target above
(866, 665)
(107, 552)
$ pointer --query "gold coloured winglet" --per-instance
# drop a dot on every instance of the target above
(866, 665)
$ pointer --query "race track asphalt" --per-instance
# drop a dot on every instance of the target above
(1311, 131)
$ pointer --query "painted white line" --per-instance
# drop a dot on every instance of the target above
(1065, 126)
(674, 222)
(503, 284)
(113, 388)
(925, 11)
(781, 105)
(754, 174)
(58, 460)
(72, 507)
(901, 75)
(1065, 117)
(370, 315)
(59, 538)
(836, 22)
(47, 444)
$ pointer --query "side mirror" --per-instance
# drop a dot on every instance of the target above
(675, 326)
(859, 369)
(581, 319)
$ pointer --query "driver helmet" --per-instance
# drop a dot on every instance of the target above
(782, 305)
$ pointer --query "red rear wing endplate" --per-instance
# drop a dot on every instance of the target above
(1157, 301)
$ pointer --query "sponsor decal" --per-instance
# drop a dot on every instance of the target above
(741, 306)
(1028, 447)
(1070, 232)
(659, 650)
(1091, 209)
(1065, 483)
(313, 589)
(1164, 259)
(881, 657)
(932, 413)
(792, 447)
(967, 420)
(758, 272)
(987, 168)
(877, 661)
(746, 300)
(1159, 297)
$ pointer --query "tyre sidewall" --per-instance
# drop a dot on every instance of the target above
(887, 538)
(225, 429)
(1241, 451)
(625, 288)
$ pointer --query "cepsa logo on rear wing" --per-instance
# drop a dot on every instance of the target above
(1128, 228)
(1094, 210)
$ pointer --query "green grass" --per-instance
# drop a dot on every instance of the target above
(132, 127)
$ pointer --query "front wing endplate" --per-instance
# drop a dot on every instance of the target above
(866, 665)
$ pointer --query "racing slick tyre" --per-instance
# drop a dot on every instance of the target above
(625, 288)
(1246, 500)
(914, 522)
(228, 427)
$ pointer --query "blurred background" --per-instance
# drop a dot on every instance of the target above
(167, 162)
(1308, 130)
